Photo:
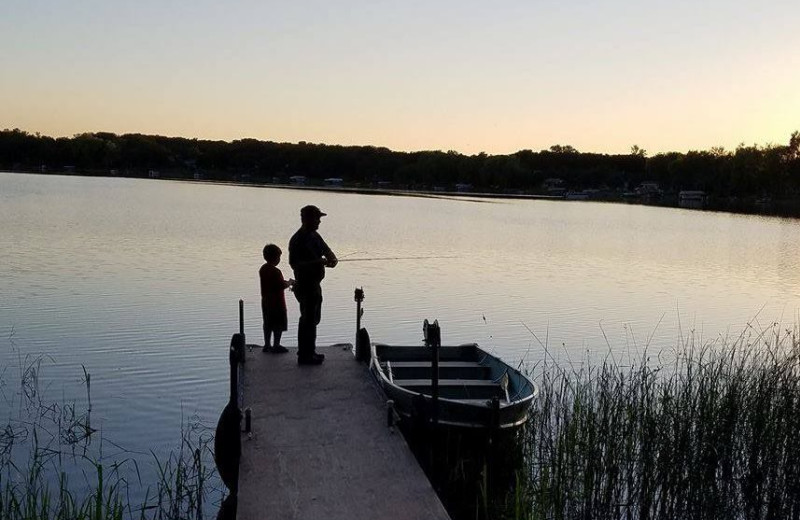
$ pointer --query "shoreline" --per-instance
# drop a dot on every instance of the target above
(789, 208)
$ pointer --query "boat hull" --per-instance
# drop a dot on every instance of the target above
(476, 389)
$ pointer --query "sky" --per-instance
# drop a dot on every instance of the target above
(470, 76)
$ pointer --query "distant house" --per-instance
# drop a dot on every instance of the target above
(463, 187)
(333, 181)
(694, 199)
(576, 195)
(153, 174)
(298, 180)
(554, 186)
(648, 188)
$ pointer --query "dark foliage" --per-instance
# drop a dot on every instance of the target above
(756, 172)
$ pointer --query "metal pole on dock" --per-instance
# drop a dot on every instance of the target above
(235, 356)
(435, 373)
(362, 337)
(359, 297)
(433, 339)
(241, 317)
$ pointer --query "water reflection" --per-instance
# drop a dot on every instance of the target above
(139, 281)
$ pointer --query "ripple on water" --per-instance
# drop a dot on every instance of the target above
(138, 282)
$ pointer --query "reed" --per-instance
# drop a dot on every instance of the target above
(43, 490)
(52, 467)
(711, 434)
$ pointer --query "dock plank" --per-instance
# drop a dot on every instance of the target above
(320, 447)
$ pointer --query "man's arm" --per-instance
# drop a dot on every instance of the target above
(293, 253)
(330, 257)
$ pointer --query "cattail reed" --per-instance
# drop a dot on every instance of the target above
(714, 433)
(48, 468)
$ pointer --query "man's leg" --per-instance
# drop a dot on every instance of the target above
(316, 314)
(305, 340)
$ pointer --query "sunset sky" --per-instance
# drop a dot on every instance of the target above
(470, 76)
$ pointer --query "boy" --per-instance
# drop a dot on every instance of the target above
(273, 301)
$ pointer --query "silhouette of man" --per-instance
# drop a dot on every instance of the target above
(309, 255)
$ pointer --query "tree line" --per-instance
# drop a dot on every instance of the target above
(748, 172)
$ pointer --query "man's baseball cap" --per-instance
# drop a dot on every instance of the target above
(311, 211)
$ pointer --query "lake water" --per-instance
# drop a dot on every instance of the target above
(138, 281)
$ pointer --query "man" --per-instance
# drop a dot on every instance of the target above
(309, 255)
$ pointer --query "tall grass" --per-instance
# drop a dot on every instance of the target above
(712, 434)
(52, 464)
(42, 489)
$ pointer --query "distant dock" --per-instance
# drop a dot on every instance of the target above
(320, 447)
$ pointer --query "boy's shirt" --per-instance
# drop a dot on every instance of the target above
(272, 286)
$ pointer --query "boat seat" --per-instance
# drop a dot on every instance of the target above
(426, 364)
(444, 382)
(418, 353)
(454, 388)
(487, 402)
(471, 370)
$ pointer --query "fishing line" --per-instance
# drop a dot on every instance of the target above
(393, 258)
(376, 259)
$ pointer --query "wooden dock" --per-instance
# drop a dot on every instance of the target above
(320, 446)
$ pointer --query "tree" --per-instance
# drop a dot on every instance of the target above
(638, 152)
(793, 150)
(565, 149)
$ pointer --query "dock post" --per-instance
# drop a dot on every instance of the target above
(241, 317)
(235, 357)
(227, 436)
(241, 330)
(433, 339)
(359, 297)
(233, 361)
(362, 337)
(435, 382)
(494, 435)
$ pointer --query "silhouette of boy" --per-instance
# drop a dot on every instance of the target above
(273, 300)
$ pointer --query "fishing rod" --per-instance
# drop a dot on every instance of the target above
(376, 259)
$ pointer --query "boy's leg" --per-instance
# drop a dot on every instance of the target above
(277, 348)
(267, 346)
(265, 322)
